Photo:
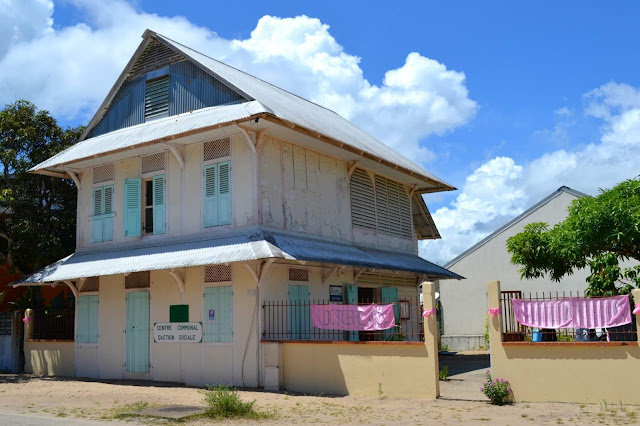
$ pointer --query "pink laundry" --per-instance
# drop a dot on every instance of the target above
(353, 317)
(573, 312)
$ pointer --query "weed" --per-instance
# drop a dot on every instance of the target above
(443, 348)
(498, 391)
(125, 410)
(444, 372)
(224, 402)
(380, 392)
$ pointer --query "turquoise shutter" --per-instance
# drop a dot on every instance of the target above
(137, 338)
(352, 299)
(210, 195)
(390, 295)
(220, 300)
(299, 311)
(159, 201)
(96, 224)
(107, 222)
(132, 207)
(88, 319)
(224, 193)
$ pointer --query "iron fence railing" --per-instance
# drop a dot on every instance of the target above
(291, 320)
(53, 325)
(512, 331)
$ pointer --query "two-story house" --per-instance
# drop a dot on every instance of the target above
(209, 196)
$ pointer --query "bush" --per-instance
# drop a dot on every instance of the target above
(223, 401)
(498, 391)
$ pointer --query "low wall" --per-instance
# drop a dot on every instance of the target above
(351, 368)
(565, 372)
(48, 358)
(462, 343)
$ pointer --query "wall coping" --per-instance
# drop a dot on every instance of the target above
(568, 343)
(50, 341)
(341, 342)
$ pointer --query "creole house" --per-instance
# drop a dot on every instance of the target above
(227, 230)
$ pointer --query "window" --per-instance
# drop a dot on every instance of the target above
(102, 219)
(380, 204)
(145, 201)
(217, 194)
(156, 98)
(218, 314)
(88, 306)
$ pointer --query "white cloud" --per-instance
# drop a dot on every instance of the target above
(499, 189)
(69, 70)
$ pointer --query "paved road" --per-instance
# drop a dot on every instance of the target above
(32, 420)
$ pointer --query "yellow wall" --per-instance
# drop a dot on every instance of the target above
(49, 358)
(565, 373)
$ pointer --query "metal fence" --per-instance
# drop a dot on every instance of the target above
(512, 331)
(291, 320)
(53, 325)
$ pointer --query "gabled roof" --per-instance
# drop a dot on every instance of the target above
(530, 210)
(247, 244)
(279, 105)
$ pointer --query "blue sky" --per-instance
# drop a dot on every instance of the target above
(540, 94)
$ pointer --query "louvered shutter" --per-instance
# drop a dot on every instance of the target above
(107, 221)
(363, 213)
(102, 220)
(96, 224)
(382, 205)
(352, 299)
(132, 207)
(159, 207)
(210, 195)
(390, 295)
(156, 99)
(224, 193)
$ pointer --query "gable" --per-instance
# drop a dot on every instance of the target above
(163, 80)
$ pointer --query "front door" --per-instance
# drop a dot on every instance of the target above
(299, 312)
(137, 332)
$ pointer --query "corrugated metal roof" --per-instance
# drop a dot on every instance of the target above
(238, 246)
(273, 100)
(154, 130)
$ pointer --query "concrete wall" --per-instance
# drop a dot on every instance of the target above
(564, 372)
(464, 302)
(183, 194)
(48, 358)
(400, 369)
(192, 363)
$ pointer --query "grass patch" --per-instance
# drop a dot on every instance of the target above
(444, 373)
(224, 402)
(125, 410)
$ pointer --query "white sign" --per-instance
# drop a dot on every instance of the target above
(177, 332)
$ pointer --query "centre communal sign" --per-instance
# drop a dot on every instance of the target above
(177, 332)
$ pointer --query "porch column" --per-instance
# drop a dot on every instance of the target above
(431, 337)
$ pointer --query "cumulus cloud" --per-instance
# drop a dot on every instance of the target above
(69, 70)
(500, 189)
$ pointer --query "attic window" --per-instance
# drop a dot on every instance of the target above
(156, 98)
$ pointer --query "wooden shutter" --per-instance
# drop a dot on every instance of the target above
(390, 295)
(96, 224)
(210, 195)
(107, 221)
(102, 220)
(220, 301)
(299, 311)
(159, 207)
(88, 319)
(156, 99)
(224, 193)
(383, 214)
(132, 207)
(137, 331)
(352, 299)
(363, 213)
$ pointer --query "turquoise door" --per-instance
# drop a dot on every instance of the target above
(390, 295)
(137, 332)
(352, 299)
(299, 311)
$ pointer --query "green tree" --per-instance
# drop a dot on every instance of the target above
(598, 232)
(37, 213)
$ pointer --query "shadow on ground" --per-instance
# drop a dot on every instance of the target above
(466, 376)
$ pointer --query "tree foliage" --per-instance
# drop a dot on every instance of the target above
(598, 232)
(37, 213)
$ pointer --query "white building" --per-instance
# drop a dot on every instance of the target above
(208, 196)
(464, 303)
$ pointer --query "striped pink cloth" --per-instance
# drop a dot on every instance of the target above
(573, 312)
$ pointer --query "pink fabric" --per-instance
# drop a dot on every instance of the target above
(495, 311)
(353, 317)
(574, 312)
(636, 310)
(428, 312)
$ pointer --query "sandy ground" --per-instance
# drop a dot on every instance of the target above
(69, 398)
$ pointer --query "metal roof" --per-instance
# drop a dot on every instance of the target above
(530, 210)
(272, 101)
(153, 131)
(243, 245)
